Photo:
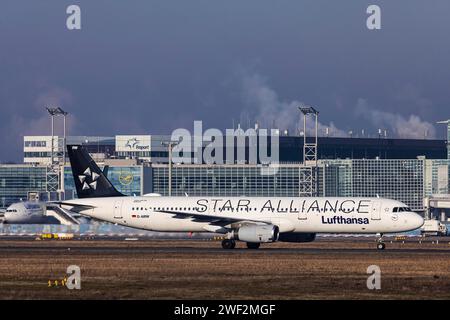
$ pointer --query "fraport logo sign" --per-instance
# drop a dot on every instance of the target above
(132, 143)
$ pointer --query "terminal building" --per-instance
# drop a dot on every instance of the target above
(403, 169)
(153, 148)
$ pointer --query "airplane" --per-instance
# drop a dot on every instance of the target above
(33, 212)
(253, 220)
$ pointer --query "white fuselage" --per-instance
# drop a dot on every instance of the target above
(25, 213)
(309, 215)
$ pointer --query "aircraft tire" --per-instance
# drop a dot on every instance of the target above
(253, 245)
(228, 244)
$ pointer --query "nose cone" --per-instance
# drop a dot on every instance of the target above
(415, 221)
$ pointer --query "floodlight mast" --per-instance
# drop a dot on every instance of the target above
(308, 170)
(57, 111)
(309, 149)
(55, 176)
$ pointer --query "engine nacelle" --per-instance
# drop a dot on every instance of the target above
(257, 233)
(297, 237)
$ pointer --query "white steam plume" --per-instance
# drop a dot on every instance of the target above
(399, 126)
(264, 105)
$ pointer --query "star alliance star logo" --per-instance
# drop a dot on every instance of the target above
(87, 176)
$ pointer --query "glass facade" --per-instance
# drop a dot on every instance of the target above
(17, 180)
(402, 180)
(127, 180)
(227, 180)
(437, 177)
(395, 179)
(337, 180)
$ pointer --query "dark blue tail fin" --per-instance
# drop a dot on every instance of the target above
(90, 181)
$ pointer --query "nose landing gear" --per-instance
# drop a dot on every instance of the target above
(380, 244)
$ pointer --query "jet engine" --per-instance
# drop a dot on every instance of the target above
(257, 233)
(297, 237)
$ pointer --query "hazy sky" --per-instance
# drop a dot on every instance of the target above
(152, 66)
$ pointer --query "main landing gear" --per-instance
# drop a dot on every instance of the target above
(380, 243)
(231, 244)
(253, 245)
(228, 244)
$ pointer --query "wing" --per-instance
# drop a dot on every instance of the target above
(63, 214)
(213, 219)
(76, 208)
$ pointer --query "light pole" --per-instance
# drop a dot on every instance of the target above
(55, 176)
(170, 145)
(308, 170)
(58, 112)
(309, 149)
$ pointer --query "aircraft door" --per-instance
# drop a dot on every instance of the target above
(376, 208)
(301, 213)
(117, 211)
